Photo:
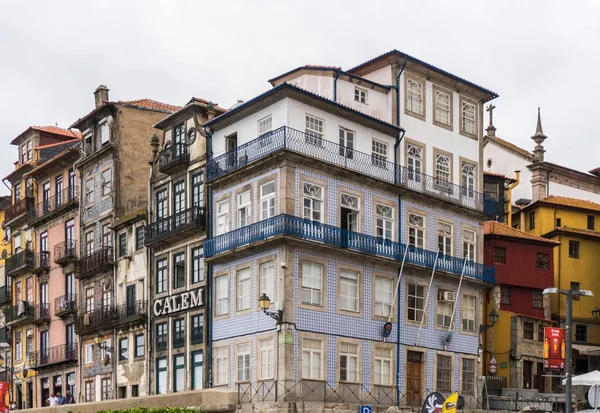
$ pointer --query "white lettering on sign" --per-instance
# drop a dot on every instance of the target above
(175, 303)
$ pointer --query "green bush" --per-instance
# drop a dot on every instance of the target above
(147, 410)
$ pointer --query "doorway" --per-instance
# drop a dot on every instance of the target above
(527, 374)
(230, 148)
(29, 395)
(414, 361)
(45, 391)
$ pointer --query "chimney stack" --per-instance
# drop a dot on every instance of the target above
(101, 95)
(210, 111)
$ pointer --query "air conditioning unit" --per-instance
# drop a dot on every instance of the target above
(86, 320)
(447, 296)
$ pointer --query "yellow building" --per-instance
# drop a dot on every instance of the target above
(572, 222)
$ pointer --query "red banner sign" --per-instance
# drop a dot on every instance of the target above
(4, 396)
(554, 349)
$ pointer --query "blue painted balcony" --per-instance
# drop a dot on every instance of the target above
(287, 225)
(292, 140)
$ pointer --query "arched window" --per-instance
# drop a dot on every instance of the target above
(468, 180)
(415, 97)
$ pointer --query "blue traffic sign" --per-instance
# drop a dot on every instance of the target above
(366, 409)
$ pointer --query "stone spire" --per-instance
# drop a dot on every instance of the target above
(539, 138)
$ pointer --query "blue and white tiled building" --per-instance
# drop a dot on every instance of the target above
(336, 194)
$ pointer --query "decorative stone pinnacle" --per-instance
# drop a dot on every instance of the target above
(539, 138)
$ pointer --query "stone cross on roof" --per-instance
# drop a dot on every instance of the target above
(491, 130)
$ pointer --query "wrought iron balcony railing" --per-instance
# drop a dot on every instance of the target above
(53, 355)
(41, 313)
(20, 210)
(172, 157)
(131, 313)
(41, 262)
(292, 140)
(20, 313)
(20, 263)
(189, 219)
(65, 252)
(314, 231)
(65, 305)
(5, 335)
(95, 320)
(5, 295)
(68, 197)
(94, 263)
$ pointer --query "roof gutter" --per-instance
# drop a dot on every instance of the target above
(338, 72)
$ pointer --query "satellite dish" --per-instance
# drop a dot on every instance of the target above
(191, 136)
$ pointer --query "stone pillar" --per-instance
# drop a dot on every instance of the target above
(101, 95)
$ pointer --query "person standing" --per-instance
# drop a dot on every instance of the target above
(52, 400)
(69, 397)
(61, 399)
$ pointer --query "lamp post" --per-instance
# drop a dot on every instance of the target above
(493, 316)
(570, 294)
(596, 313)
(264, 302)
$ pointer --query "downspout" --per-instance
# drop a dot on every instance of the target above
(209, 152)
(396, 145)
(509, 196)
(154, 142)
(401, 136)
(398, 304)
(337, 75)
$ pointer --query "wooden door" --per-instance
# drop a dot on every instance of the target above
(413, 378)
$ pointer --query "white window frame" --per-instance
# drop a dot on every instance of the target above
(267, 201)
(384, 222)
(89, 353)
(352, 202)
(443, 109)
(244, 209)
(267, 359)
(346, 141)
(416, 230)
(382, 370)
(468, 312)
(243, 362)
(469, 245)
(442, 170)
(313, 201)
(221, 366)
(472, 375)
(223, 217)
(265, 125)
(314, 130)
(445, 238)
(312, 352)
(379, 153)
(104, 130)
(414, 155)
(106, 182)
(468, 117)
(360, 95)
(349, 354)
(415, 97)
(243, 289)
(443, 310)
(89, 191)
(349, 295)
(221, 295)
(418, 299)
(266, 272)
(384, 296)
(312, 274)
(468, 180)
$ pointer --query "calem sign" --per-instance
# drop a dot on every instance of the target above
(186, 300)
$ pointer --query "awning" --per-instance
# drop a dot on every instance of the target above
(587, 350)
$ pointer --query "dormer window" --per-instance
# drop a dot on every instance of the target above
(360, 95)
(26, 152)
(104, 130)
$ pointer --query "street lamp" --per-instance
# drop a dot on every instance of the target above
(264, 302)
(99, 341)
(570, 294)
(596, 313)
(493, 316)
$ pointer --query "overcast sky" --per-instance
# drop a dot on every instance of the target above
(53, 54)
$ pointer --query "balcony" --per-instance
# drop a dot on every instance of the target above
(64, 201)
(65, 305)
(63, 353)
(286, 225)
(292, 140)
(22, 313)
(41, 262)
(94, 263)
(5, 295)
(65, 252)
(6, 376)
(5, 336)
(41, 313)
(174, 226)
(95, 321)
(173, 157)
(19, 263)
(131, 313)
(19, 213)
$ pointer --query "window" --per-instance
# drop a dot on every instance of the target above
(267, 200)
(89, 299)
(18, 345)
(500, 255)
(442, 107)
(416, 302)
(360, 95)
(161, 375)
(106, 344)
(197, 336)
(179, 270)
(575, 289)
(267, 279)
(468, 180)
(106, 386)
(312, 358)
(222, 295)
(222, 217)
(244, 209)
(106, 182)
(581, 332)
(445, 238)
(469, 245)
(161, 275)
(505, 294)
(384, 222)
(243, 362)
(543, 261)
(414, 101)
(532, 220)
(89, 242)
(415, 163)
(573, 249)
(540, 330)
(350, 212)
(139, 345)
(139, 238)
(313, 202)
(106, 235)
(221, 365)
(179, 332)
(29, 341)
(384, 296)
(558, 222)
(179, 201)
(312, 283)
(179, 376)
(349, 290)
(244, 290)
(468, 376)
(416, 230)
(590, 222)
(122, 244)
(197, 190)
(123, 350)
(346, 143)
(197, 370)
(443, 374)
(135, 390)
(469, 304)
(527, 330)
(442, 170)
(468, 117)
(58, 188)
(537, 299)
(197, 265)
(122, 392)
(314, 130)
(445, 305)
(104, 131)
(89, 391)
(379, 153)
(267, 359)
(383, 366)
(161, 336)
(89, 191)
(161, 208)
(265, 125)
(348, 362)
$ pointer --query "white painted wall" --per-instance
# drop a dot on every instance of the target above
(564, 190)
(382, 76)
(506, 162)
(319, 84)
(378, 104)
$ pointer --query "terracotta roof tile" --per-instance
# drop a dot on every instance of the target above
(498, 228)
(571, 202)
(499, 176)
(58, 131)
(523, 152)
(150, 104)
(51, 145)
(206, 102)
(575, 231)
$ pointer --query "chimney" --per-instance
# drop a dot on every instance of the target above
(101, 95)
(210, 111)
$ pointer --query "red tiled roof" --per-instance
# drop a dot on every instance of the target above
(150, 104)
(50, 145)
(206, 102)
(574, 231)
(499, 176)
(55, 130)
(500, 229)
(523, 152)
(571, 202)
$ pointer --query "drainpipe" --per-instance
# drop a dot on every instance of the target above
(397, 87)
(396, 145)
(337, 75)
(209, 207)
(509, 196)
